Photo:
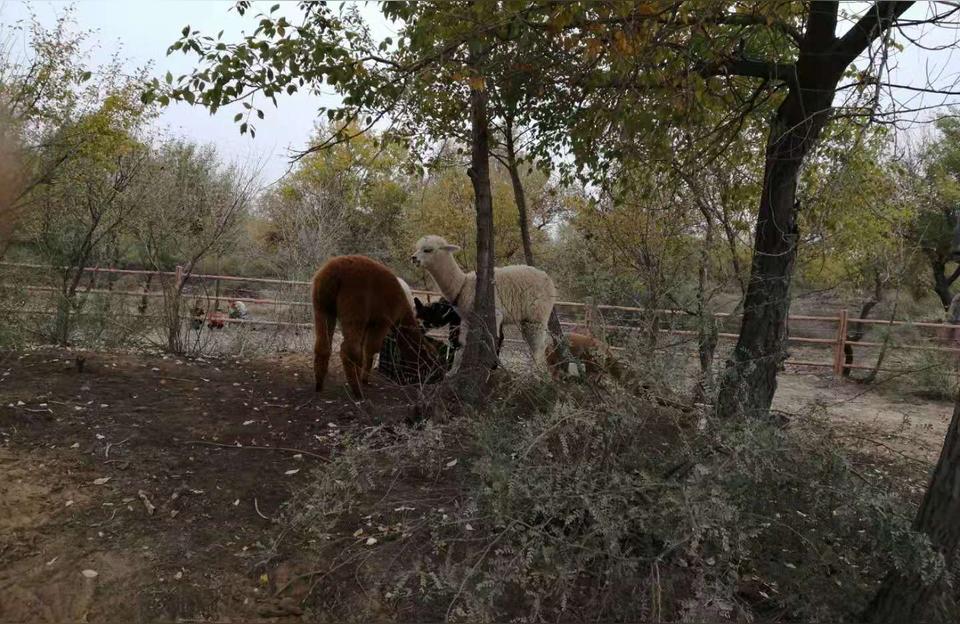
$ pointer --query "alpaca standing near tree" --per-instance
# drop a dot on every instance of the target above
(369, 301)
(525, 294)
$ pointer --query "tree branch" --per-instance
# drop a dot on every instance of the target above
(880, 17)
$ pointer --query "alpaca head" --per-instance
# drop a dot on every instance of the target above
(436, 314)
(431, 250)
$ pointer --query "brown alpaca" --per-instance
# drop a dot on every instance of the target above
(597, 357)
(369, 301)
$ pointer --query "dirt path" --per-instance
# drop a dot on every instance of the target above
(76, 449)
(910, 426)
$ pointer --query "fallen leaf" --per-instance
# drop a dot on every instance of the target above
(75, 445)
(248, 422)
(90, 573)
(100, 436)
(236, 502)
(371, 541)
(101, 480)
(468, 527)
(451, 463)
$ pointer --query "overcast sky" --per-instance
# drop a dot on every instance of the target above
(144, 29)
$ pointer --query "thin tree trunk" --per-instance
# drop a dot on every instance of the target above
(904, 596)
(520, 197)
(479, 354)
(861, 328)
(750, 378)
(707, 334)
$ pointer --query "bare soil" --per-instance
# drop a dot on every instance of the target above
(78, 448)
(78, 543)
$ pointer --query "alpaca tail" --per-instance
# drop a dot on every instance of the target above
(325, 290)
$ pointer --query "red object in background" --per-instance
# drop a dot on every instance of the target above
(215, 320)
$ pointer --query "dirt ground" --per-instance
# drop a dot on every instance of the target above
(83, 453)
(77, 542)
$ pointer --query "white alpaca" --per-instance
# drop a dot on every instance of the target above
(409, 293)
(526, 295)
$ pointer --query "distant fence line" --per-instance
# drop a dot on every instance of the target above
(837, 343)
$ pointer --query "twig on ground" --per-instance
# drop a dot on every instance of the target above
(112, 516)
(146, 502)
(106, 451)
(862, 438)
(256, 508)
(259, 448)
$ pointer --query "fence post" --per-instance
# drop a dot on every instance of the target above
(838, 352)
(179, 277)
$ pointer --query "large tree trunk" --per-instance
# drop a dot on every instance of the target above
(749, 381)
(903, 596)
(479, 354)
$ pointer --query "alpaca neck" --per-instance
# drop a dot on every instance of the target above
(449, 277)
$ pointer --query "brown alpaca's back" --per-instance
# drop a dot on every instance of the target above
(368, 301)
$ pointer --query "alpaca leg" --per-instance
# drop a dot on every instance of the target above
(535, 335)
(351, 354)
(371, 346)
(321, 349)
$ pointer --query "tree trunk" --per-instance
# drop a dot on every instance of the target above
(749, 381)
(942, 283)
(707, 333)
(520, 197)
(479, 354)
(904, 596)
(861, 328)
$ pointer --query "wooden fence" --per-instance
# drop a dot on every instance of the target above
(591, 315)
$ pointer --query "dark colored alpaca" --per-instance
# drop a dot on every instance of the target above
(439, 314)
(392, 367)
(369, 301)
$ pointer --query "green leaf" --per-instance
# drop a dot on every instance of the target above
(189, 97)
(85, 76)
(169, 78)
(274, 8)
(186, 30)
(243, 128)
(237, 117)
(259, 113)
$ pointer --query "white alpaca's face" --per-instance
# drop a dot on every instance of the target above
(429, 248)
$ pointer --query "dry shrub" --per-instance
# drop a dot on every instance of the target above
(560, 505)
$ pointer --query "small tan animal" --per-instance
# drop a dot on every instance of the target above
(596, 355)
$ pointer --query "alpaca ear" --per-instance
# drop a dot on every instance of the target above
(451, 248)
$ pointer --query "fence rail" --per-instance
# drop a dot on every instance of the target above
(837, 343)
